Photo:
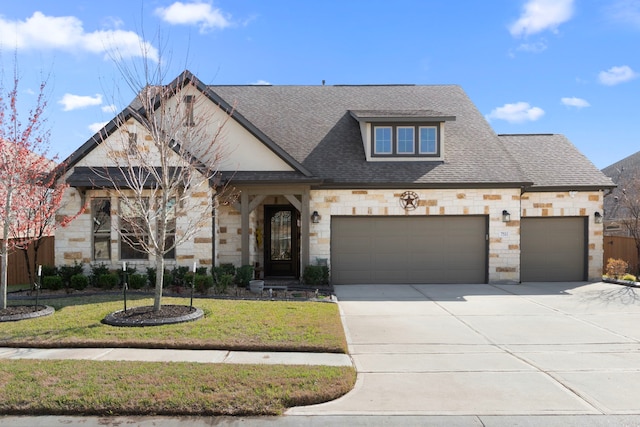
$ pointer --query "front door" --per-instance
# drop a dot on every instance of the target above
(281, 254)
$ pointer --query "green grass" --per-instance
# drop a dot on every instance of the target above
(82, 387)
(65, 387)
(227, 324)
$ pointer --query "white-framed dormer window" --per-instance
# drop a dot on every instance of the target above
(406, 140)
(428, 139)
(382, 140)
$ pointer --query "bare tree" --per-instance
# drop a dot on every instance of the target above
(162, 165)
(626, 207)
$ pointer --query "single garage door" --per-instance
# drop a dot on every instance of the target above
(553, 249)
(437, 249)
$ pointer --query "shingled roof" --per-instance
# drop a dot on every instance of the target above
(552, 162)
(316, 130)
(317, 127)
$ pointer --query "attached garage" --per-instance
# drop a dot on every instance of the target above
(553, 249)
(416, 249)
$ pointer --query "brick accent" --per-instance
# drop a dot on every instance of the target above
(73, 255)
(359, 192)
(492, 197)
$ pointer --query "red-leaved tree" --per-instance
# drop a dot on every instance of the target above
(30, 196)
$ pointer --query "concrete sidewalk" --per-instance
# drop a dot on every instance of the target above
(166, 355)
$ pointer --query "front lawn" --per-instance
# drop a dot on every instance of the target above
(83, 387)
(227, 324)
(107, 388)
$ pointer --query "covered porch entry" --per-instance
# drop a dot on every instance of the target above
(274, 228)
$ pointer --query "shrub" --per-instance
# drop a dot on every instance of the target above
(108, 281)
(137, 281)
(179, 274)
(151, 275)
(244, 275)
(68, 271)
(203, 283)
(52, 282)
(167, 279)
(79, 282)
(223, 282)
(48, 270)
(98, 270)
(316, 275)
(629, 277)
(616, 267)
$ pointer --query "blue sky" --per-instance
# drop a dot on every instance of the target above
(530, 66)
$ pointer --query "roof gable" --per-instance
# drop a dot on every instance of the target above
(235, 157)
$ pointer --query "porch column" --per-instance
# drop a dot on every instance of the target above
(244, 224)
(305, 217)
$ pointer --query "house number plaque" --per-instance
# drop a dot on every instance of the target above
(409, 200)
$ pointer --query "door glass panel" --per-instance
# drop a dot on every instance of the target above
(281, 236)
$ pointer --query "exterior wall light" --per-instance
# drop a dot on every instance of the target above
(597, 217)
(506, 216)
(315, 217)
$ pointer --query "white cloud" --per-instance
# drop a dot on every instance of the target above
(536, 47)
(67, 33)
(616, 75)
(111, 108)
(519, 112)
(261, 83)
(625, 11)
(75, 102)
(575, 102)
(541, 15)
(95, 127)
(201, 14)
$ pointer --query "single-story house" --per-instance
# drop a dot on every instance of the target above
(383, 183)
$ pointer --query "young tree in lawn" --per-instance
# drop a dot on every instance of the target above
(30, 198)
(163, 164)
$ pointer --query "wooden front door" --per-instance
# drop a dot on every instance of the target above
(282, 241)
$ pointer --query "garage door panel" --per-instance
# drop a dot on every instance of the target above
(409, 249)
(553, 249)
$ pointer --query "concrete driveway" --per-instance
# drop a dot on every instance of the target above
(530, 349)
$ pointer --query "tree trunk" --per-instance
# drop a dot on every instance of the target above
(4, 249)
(157, 299)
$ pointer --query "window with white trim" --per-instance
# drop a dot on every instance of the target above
(428, 139)
(406, 140)
(382, 138)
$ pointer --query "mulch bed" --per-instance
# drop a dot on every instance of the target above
(146, 316)
(19, 312)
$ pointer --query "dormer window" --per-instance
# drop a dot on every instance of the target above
(406, 140)
(402, 135)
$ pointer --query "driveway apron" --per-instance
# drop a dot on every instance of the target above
(529, 349)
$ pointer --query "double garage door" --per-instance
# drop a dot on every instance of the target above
(451, 249)
(436, 249)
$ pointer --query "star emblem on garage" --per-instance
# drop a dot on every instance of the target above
(409, 200)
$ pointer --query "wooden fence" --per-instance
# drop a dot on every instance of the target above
(623, 248)
(17, 269)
